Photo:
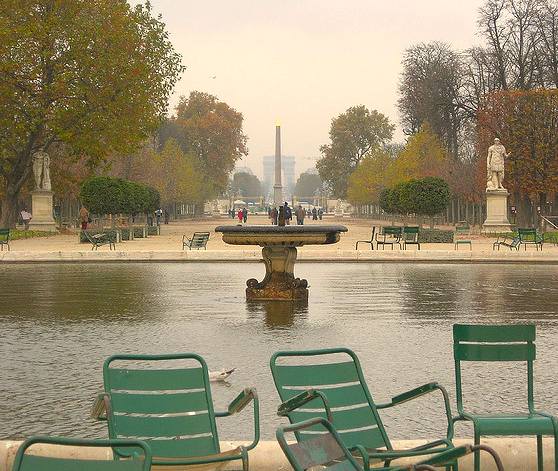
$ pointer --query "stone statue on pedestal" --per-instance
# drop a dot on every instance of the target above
(41, 171)
(495, 166)
(496, 195)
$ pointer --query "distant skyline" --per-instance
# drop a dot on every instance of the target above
(303, 62)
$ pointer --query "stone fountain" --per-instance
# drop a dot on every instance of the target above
(279, 244)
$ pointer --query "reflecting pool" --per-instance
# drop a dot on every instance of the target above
(58, 322)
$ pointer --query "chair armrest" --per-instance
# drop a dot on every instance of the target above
(458, 452)
(99, 409)
(421, 391)
(238, 404)
(303, 398)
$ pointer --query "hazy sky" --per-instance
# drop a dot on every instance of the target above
(302, 62)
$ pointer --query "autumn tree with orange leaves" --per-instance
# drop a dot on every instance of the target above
(527, 124)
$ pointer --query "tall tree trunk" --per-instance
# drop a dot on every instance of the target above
(9, 208)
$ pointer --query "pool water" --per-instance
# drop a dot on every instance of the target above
(58, 322)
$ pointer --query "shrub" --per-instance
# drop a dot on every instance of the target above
(435, 236)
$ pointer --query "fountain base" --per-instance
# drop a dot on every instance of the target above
(279, 283)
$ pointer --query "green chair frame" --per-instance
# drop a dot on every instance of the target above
(4, 239)
(197, 241)
(389, 235)
(98, 240)
(512, 242)
(328, 451)
(410, 236)
(530, 236)
(171, 409)
(462, 236)
(371, 241)
(497, 343)
(340, 392)
(34, 462)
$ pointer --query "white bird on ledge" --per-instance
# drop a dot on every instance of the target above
(220, 375)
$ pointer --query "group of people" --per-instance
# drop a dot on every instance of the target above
(241, 214)
(299, 213)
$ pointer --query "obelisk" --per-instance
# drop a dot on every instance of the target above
(277, 187)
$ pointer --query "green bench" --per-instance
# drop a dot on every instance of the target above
(98, 240)
(389, 235)
(197, 241)
(4, 239)
(530, 236)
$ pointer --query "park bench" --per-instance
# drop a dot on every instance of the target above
(371, 241)
(197, 241)
(530, 236)
(462, 236)
(411, 236)
(4, 239)
(507, 241)
(98, 240)
(389, 235)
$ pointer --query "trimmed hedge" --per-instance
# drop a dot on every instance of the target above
(16, 234)
(153, 230)
(107, 195)
(435, 236)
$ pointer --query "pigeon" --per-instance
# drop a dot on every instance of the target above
(220, 375)
(213, 77)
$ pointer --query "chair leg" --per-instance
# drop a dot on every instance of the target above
(477, 452)
(540, 460)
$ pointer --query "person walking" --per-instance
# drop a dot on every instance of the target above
(26, 218)
(158, 214)
(288, 214)
(314, 214)
(273, 214)
(167, 216)
(240, 215)
(320, 213)
(300, 213)
(84, 218)
(244, 215)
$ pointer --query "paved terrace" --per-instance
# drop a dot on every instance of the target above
(168, 247)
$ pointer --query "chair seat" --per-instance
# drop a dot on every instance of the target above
(514, 424)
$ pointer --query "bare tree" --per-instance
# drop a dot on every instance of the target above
(430, 91)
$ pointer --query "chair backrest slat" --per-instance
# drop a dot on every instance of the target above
(494, 333)
(171, 409)
(495, 352)
(354, 413)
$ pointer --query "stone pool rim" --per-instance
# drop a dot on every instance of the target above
(254, 255)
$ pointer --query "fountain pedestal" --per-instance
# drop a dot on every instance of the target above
(279, 255)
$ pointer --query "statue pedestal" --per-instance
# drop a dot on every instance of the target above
(41, 209)
(279, 283)
(496, 212)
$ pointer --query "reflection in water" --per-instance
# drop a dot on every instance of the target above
(278, 314)
(59, 322)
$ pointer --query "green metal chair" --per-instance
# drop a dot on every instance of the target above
(336, 390)
(502, 343)
(171, 409)
(4, 239)
(327, 451)
(462, 236)
(389, 235)
(137, 451)
(530, 236)
(411, 236)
